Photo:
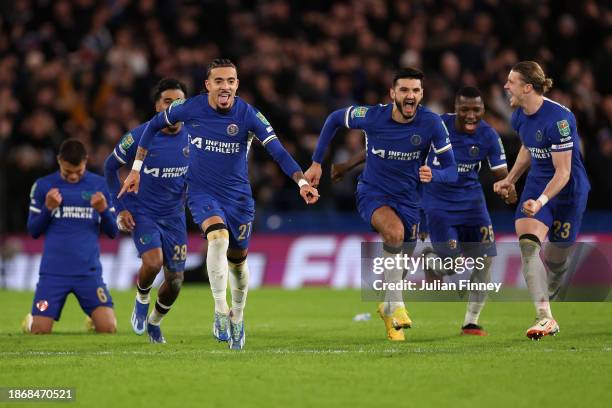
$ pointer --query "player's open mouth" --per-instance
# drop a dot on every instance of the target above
(470, 126)
(224, 98)
(409, 105)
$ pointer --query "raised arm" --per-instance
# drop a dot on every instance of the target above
(332, 123)
(265, 133)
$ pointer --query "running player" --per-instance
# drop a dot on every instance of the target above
(156, 215)
(556, 189)
(456, 213)
(222, 127)
(398, 137)
(70, 207)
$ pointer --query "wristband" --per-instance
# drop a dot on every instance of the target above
(137, 165)
(542, 199)
(302, 183)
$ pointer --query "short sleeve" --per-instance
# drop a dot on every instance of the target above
(561, 134)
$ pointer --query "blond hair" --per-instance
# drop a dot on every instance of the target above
(532, 73)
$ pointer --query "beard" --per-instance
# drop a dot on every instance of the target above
(400, 107)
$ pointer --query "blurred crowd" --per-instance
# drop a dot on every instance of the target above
(86, 68)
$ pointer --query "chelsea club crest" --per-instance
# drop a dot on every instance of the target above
(474, 150)
(538, 136)
(232, 129)
(415, 140)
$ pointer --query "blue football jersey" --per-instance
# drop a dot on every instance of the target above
(470, 151)
(162, 179)
(219, 146)
(551, 129)
(71, 230)
(395, 151)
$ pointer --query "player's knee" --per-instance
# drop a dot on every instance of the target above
(529, 244)
(217, 236)
(40, 329)
(106, 326)
(153, 263)
(393, 235)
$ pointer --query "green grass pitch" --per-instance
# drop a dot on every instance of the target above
(304, 350)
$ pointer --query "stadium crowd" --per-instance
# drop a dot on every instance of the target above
(85, 69)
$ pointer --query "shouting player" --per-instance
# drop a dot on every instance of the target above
(556, 190)
(398, 137)
(222, 127)
(70, 207)
(156, 215)
(456, 213)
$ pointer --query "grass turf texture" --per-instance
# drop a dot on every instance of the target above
(303, 349)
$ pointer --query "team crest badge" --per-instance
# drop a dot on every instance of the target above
(86, 195)
(232, 129)
(539, 136)
(564, 127)
(145, 239)
(42, 305)
(186, 151)
(474, 150)
(415, 140)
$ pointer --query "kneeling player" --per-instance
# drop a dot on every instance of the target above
(69, 207)
(156, 215)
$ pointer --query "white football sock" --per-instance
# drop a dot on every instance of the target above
(535, 276)
(216, 265)
(476, 298)
(239, 285)
(393, 298)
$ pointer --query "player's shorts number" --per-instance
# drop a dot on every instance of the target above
(245, 231)
(487, 233)
(102, 295)
(180, 253)
(415, 228)
(562, 229)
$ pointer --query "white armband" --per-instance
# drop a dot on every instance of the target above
(302, 183)
(137, 165)
(543, 199)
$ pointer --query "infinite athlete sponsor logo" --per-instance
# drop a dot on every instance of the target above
(166, 172)
(540, 152)
(467, 167)
(71, 211)
(396, 155)
(216, 146)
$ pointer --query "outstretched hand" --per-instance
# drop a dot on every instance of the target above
(309, 194)
(131, 183)
(313, 174)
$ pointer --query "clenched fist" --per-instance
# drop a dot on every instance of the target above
(98, 201)
(53, 199)
(425, 174)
